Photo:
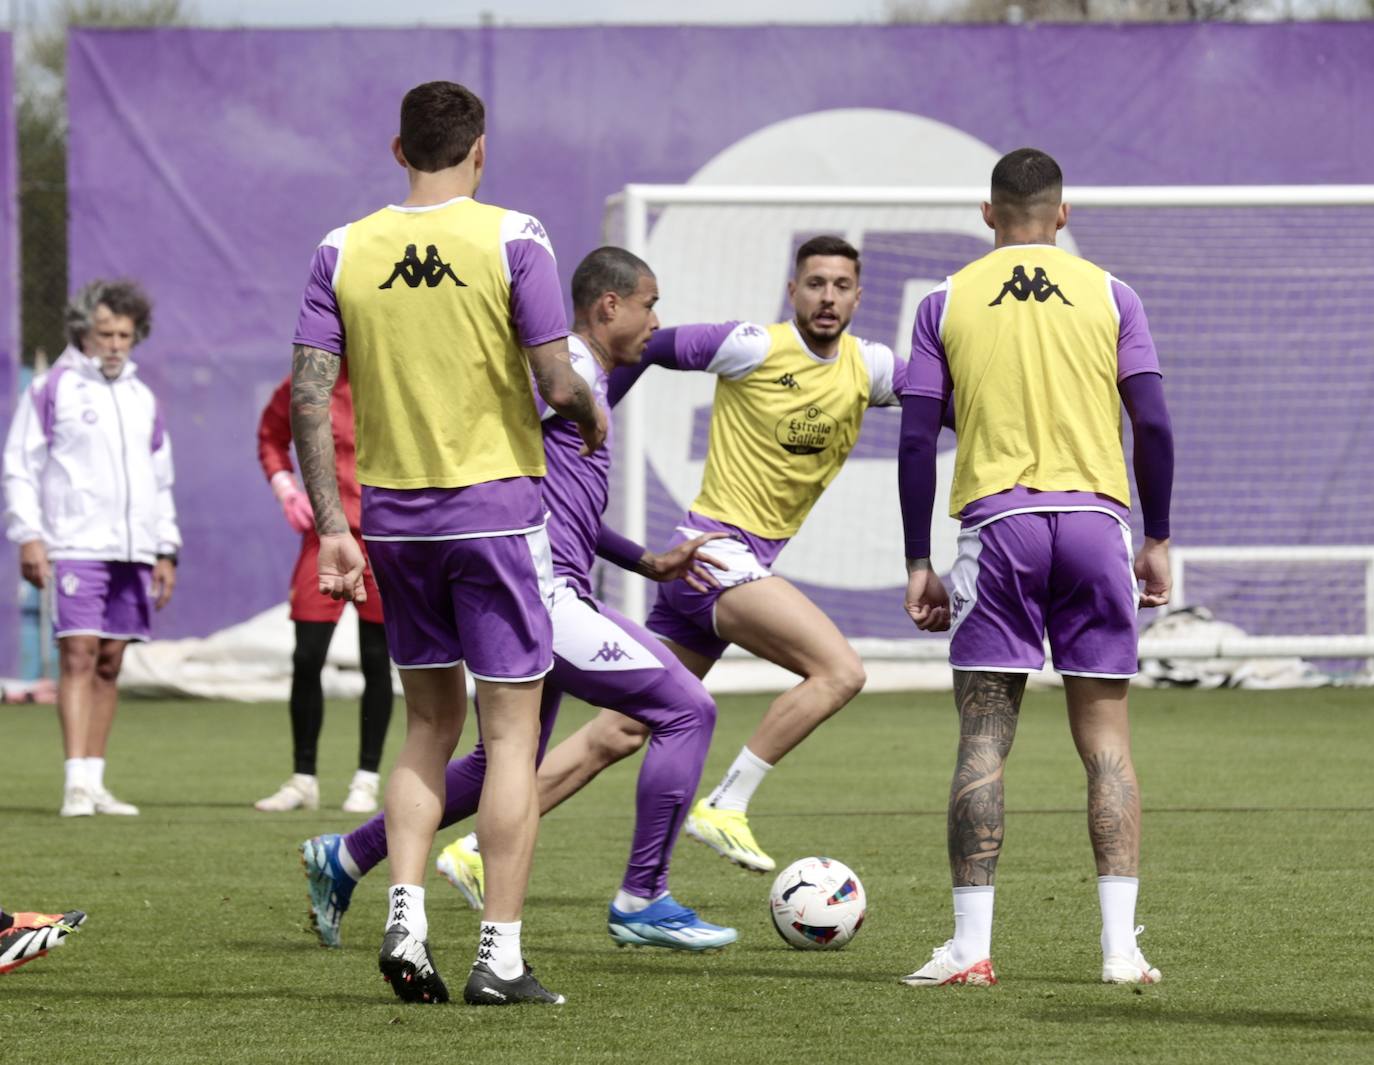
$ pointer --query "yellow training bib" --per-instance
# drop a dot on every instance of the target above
(1030, 334)
(781, 434)
(441, 386)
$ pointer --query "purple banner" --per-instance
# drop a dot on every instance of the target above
(9, 335)
(208, 164)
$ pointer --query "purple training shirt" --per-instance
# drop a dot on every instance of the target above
(577, 486)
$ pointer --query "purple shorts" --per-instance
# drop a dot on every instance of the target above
(105, 599)
(482, 601)
(686, 616)
(1067, 574)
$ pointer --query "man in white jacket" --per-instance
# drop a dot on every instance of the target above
(88, 499)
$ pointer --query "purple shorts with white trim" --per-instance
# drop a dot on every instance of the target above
(481, 600)
(105, 599)
(1065, 574)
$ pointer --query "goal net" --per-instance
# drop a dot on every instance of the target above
(1261, 302)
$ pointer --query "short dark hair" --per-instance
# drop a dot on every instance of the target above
(1024, 175)
(608, 269)
(828, 245)
(440, 122)
(123, 297)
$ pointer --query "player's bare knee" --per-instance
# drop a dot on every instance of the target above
(77, 658)
(846, 679)
(107, 667)
(612, 741)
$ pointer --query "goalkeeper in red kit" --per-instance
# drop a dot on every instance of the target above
(316, 616)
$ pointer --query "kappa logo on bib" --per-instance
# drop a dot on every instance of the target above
(413, 272)
(807, 431)
(1023, 288)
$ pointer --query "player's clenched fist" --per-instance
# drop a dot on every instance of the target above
(927, 602)
(341, 568)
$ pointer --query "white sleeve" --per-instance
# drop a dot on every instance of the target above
(741, 352)
(516, 225)
(884, 373)
(26, 453)
(168, 535)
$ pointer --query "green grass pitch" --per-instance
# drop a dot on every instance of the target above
(1258, 879)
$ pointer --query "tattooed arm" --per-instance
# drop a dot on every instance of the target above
(988, 705)
(566, 392)
(313, 373)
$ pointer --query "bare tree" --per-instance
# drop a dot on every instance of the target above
(41, 115)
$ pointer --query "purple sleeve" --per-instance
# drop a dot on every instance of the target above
(1135, 348)
(660, 351)
(1153, 458)
(620, 550)
(695, 346)
(927, 371)
(536, 294)
(319, 324)
(921, 416)
(683, 347)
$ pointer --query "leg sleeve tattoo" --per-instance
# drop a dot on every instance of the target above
(988, 705)
(1113, 813)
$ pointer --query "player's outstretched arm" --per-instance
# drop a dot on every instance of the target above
(313, 373)
(685, 561)
(564, 390)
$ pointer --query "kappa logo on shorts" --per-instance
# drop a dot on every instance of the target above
(610, 652)
(1023, 288)
(70, 583)
(956, 604)
(413, 272)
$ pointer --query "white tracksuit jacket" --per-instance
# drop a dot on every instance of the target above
(88, 466)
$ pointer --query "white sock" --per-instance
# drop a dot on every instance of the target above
(498, 944)
(470, 843)
(1116, 895)
(350, 866)
(365, 776)
(75, 769)
(407, 907)
(95, 774)
(737, 786)
(627, 903)
(972, 925)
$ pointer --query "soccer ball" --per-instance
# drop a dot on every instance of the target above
(818, 904)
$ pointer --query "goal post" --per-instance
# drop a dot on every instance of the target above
(1261, 302)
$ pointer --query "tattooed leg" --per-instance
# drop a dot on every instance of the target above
(1101, 732)
(988, 704)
